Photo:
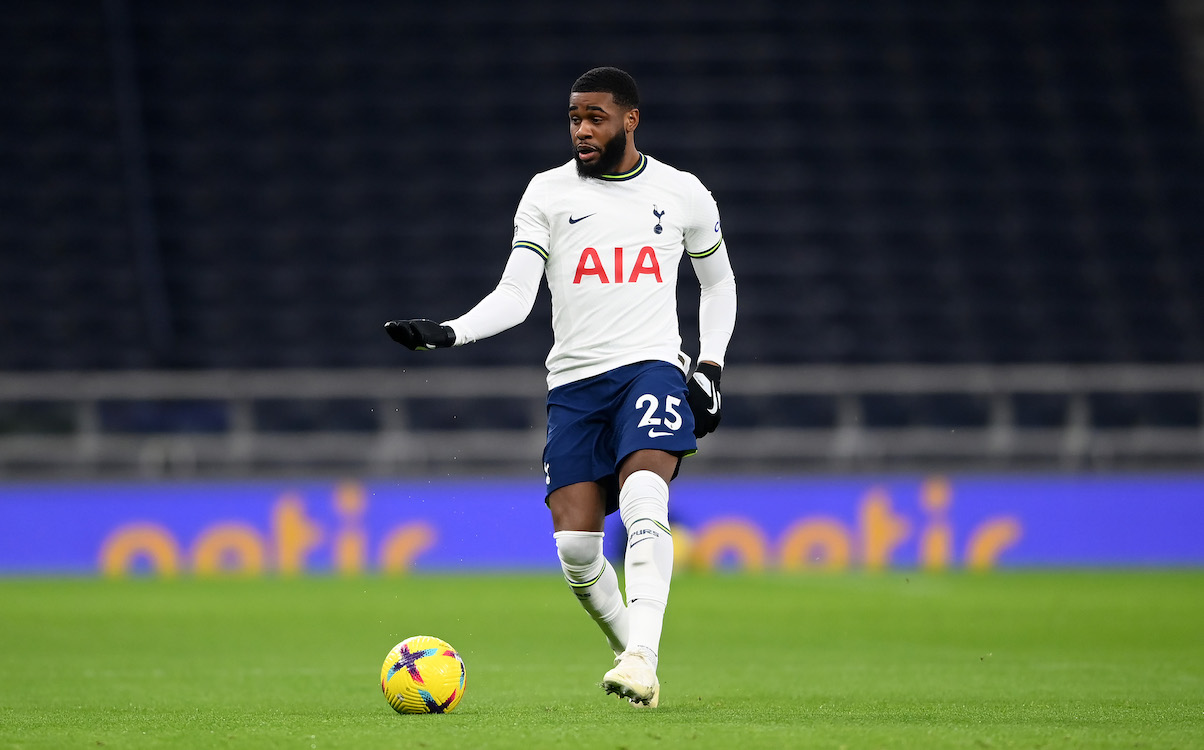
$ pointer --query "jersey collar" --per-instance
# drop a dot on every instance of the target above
(633, 172)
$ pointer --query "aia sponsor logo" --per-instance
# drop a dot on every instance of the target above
(591, 265)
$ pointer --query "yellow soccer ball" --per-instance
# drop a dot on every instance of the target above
(423, 675)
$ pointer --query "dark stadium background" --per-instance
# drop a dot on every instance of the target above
(900, 182)
(253, 185)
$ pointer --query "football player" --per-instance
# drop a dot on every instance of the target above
(608, 230)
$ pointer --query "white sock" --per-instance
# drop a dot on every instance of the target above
(644, 508)
(594, 582)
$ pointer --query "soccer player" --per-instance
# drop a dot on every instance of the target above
(608, 230)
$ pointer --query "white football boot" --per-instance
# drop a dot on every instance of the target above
(634, 678)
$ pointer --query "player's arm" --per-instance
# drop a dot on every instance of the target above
(505, 307)
(717, 307)
(716, 304)
(716, 320)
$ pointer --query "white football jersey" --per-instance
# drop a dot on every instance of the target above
(611, 247)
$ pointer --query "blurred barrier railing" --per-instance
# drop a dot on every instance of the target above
(777, 419)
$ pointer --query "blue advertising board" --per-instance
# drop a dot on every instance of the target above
(741, 523)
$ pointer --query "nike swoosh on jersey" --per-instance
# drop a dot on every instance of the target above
(583, 218)
(652, 433)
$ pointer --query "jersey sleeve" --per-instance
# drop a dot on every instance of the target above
(507, 305)
(708, 254)
(531, 228)
(716, 304)
(703, 234)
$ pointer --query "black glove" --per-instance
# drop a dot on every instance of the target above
(420, 335)
(704, 398)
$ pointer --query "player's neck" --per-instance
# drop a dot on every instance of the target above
(631, 158)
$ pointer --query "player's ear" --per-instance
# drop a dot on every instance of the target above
(632, 120)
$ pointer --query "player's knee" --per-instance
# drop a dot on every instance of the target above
(579, 551)
(645, 496)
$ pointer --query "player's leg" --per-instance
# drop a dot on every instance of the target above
(644, 507)
(580, 506)
(578, 515)
(575, 457)
(655, 429)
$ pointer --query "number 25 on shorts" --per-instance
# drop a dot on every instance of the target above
(651, 405)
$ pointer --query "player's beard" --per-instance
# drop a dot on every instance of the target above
(608, 160)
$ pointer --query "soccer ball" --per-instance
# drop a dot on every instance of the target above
(423, 675)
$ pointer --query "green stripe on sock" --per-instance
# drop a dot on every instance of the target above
(576, 585)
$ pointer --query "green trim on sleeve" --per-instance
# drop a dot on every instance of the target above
(709, 251)
(532, 247)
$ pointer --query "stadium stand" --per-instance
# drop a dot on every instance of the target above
(944, 182)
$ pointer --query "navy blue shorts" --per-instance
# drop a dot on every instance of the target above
(594, 424)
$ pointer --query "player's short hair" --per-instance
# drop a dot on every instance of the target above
(611, 81)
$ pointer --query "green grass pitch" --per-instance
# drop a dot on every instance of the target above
(896, 660)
